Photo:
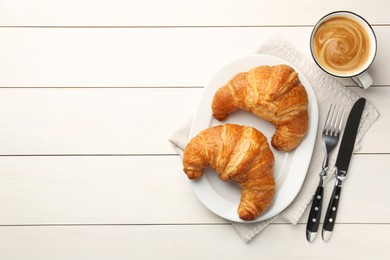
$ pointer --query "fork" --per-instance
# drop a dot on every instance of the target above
(330, 137)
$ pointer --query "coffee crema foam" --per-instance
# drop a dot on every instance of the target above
(341, 45)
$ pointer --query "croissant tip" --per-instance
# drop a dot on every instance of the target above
(283, 147)
(192, 174)
(219, 117)
(247, 218)
(246, 215)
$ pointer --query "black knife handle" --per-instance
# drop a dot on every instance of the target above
(331, 212)
(315, 212)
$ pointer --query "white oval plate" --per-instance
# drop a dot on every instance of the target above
(290, 168)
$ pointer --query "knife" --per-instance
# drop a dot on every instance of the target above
(342, 164)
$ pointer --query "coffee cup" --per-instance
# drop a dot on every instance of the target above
(344, 45)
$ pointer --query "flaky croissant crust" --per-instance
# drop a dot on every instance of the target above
(274, 93)
(238, 153)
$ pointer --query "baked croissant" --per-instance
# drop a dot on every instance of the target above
(238, 153)
(273, 93)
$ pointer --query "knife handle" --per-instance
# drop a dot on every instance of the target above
(331, 212)
(315, 213)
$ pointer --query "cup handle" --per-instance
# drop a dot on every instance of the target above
(363, 80)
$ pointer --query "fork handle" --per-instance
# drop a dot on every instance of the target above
(315, 213)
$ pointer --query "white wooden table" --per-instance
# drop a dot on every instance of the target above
(91, 90)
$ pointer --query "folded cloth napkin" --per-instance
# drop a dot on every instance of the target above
(328, 90)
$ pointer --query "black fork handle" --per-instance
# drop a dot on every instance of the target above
(313, 221)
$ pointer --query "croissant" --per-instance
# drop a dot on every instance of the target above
(238, 153)
(273, 93)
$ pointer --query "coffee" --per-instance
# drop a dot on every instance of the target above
(341, 45)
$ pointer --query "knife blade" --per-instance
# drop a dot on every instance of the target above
(342, 164)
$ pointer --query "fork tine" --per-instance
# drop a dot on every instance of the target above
(336, 120)
(328, 120)
(335, 116)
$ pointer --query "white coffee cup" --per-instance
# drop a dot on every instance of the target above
(344, 45)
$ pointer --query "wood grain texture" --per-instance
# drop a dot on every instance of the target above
(120, 121)
(148, 190)
(355, 242)
(92, 121)
(180, 13)
(114, 79)
(143, 57)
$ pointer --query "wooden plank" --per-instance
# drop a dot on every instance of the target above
(97, 190)
(148, 190)
(357, 241)
(142, 57)
(120, 121)
(92, 121)
(183, 13)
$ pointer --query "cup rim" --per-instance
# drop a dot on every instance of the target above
(369, 26)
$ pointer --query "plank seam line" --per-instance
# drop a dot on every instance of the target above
(122, 155)
(119, 224)
(167, 224)
(105, 87)
(83, 155)
(146, 87)
(163, 26)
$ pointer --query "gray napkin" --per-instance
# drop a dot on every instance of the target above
(328, 90)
